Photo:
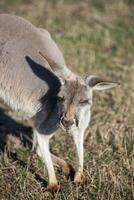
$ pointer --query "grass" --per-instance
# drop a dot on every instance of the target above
(96, 37)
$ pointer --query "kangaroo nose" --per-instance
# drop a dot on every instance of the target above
(67, 123)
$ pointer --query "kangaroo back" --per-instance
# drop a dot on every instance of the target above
(25, 75)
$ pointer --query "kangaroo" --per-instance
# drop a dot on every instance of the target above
(37, 84)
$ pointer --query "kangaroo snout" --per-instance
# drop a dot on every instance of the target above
(67, 122)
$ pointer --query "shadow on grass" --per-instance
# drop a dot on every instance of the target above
(30, 168)
(9, 126)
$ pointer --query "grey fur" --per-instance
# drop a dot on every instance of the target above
(31, 68)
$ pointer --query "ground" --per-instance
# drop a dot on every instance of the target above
(96, 37)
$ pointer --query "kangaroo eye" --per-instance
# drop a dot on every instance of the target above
(84, 102)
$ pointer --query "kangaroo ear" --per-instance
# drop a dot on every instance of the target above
(59, 68)
(97, 83)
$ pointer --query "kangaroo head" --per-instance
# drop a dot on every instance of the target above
(76, 98)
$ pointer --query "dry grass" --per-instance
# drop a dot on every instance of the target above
(96, 37)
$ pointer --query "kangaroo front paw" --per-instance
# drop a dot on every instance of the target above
(53, 187)
(79, 178)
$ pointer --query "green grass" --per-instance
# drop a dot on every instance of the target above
(96, 37)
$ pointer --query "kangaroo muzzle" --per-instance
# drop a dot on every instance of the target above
(67, 123)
